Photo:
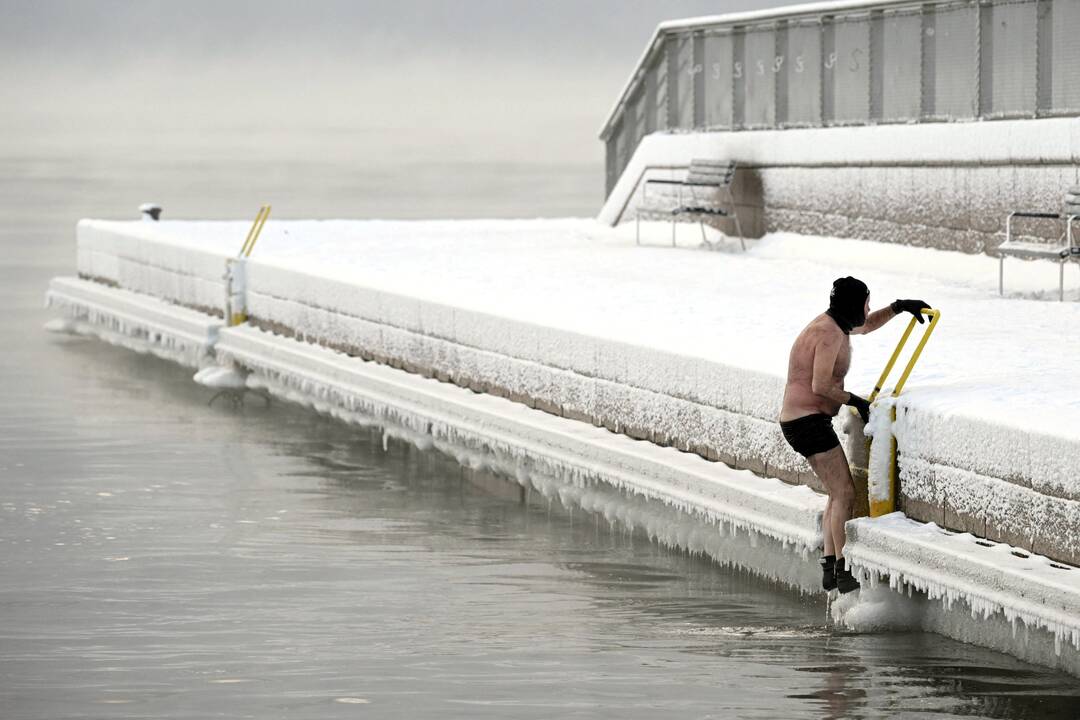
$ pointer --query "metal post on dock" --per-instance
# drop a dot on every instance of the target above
(236, 272)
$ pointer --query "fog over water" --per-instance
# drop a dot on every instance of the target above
(163, 557)
(410, 81)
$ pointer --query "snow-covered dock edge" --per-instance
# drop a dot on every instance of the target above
(1029, 607)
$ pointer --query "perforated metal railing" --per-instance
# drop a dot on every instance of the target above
(851, 63)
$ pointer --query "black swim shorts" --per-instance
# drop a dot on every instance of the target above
(811, 434)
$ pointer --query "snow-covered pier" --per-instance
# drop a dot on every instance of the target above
(563, 355)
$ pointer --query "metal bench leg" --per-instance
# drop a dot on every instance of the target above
(735, 217)
(1061, 281)
(704, 239)
(1001, 275)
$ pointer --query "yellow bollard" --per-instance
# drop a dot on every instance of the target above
(885, 505)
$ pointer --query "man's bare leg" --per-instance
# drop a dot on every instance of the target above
(826, 529)
(833, 471)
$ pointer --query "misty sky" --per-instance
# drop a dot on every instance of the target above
(481, 79)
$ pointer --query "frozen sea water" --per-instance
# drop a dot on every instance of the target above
(163, 558)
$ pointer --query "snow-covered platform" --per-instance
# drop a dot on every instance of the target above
(681, 347)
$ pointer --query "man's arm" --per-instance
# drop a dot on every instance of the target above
(875, 320)
(879, 317)
(823, 382)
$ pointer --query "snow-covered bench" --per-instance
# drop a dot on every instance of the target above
(1062, 251)
(717, 201)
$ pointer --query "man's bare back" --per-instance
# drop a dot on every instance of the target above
(800, 397)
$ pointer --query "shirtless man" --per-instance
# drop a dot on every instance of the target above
(819, 361)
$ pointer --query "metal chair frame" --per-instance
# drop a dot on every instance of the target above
(700, 210)
(1063, 254)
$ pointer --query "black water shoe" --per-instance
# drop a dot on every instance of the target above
(828, 572)
(845, 581)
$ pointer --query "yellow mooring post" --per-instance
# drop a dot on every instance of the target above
(235, 276)
(884, 505)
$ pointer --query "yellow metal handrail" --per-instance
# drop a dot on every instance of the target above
(934, 316)
(886, 505)
(253, 233)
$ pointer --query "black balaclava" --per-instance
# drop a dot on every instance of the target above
(847, 303)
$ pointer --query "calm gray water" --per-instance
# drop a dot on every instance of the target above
(164, 558)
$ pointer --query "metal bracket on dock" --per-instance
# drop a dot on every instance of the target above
(235, 276)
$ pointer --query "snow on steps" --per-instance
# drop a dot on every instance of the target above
(136, 321)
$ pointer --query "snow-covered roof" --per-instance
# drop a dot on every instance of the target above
(739, 18)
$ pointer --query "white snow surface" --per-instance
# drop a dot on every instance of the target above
(986, 396)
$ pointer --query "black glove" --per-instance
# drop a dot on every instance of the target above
(861, 405)
(912, 306)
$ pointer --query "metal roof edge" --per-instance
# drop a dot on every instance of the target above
(704, 21)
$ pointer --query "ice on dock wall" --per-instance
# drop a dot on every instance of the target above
(959, 469)
(325, 380)
(135, 321)
(1004, 590)
(1006, 616)
(678, 499)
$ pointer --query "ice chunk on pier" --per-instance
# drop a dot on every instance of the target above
(221, 378)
